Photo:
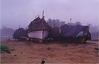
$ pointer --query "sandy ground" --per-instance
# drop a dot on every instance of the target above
(52, 53)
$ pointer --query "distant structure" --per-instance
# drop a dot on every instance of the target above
(53, 29)
(70, 20)
(6, 33)
(94, 30)
(38, 28)
(75, 32)
(20, 34)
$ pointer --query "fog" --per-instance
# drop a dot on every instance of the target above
(22, 12)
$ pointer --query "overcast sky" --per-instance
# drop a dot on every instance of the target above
(22, 12)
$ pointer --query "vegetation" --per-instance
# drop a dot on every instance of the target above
(4, 48)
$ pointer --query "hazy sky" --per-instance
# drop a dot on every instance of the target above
(22, 12)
